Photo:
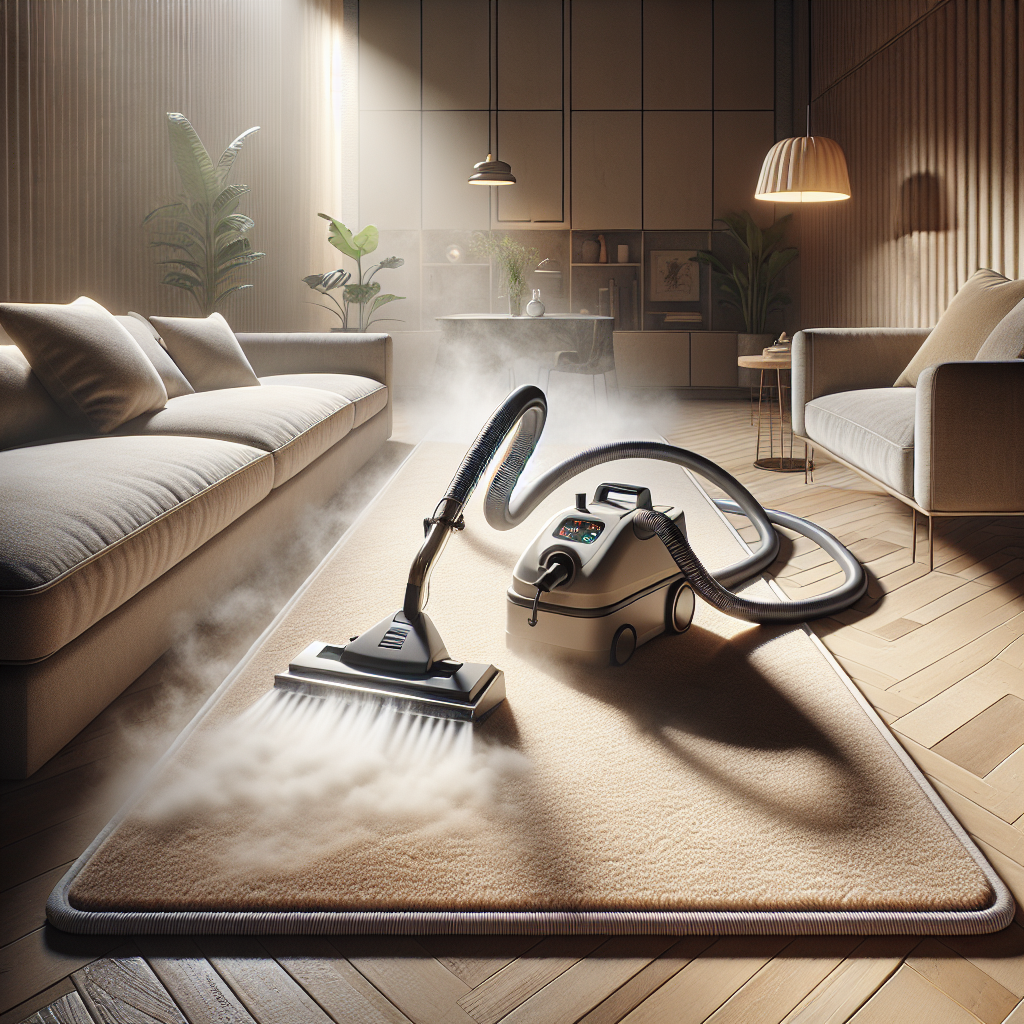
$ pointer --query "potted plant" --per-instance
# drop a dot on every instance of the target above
(203, 231)
(751, 284)
(364, 292)
(514, 260)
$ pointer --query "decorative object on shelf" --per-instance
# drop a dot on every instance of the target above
(535, 307)
(809, 169)
(203, 231)
(453, 254)
(622, 253)
(492, 172)
(364, 292)
(674, 277)
(514, 260)
(590, 250)
(752, 286)
(603, 253)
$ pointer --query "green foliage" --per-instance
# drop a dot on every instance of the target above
(514, 260)
(202, 233)
(753, 288)
(362, 293)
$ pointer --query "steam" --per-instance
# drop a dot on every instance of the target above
(298, 778)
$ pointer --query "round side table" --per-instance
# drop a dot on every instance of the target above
(772, 422)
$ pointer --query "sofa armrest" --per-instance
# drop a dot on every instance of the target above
(968, 437)
(827, 360)
(365, 355)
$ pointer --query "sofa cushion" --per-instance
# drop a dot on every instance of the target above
(27, 412)
(88, 362)
(295, 424)
(368, 396)
(871, 429)
(969, 319)
(206, 350)
(1007, 338)
(174, 380)
(86, 524)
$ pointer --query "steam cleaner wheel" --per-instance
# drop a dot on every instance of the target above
(623, 644)
(679, 607)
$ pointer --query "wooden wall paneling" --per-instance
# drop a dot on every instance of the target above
(678, 169)
(606, 169)
(389, 55)
(606, 55)
(677, 47)
(389, 168)
(652, 359)
(713, 360)
(454, 140)
(456, 50)
(744, 55)
(741, 139)
(530, 40)
(531, 141)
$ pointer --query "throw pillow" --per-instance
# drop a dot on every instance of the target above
(1007, 339)
(92, 367)
(173, 378)
(206, 351)
(968, 321)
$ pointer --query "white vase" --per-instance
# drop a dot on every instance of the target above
(535, 307)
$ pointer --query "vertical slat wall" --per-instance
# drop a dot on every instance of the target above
(87, 85)
(930, 120)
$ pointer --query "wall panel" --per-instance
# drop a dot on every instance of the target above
(455, 47)
(606, 55)
(677, 54)
(744, 55)
(530, 36)
(606, 175)
(677, 169)
(931, 126)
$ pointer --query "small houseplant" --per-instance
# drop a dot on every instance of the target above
(363, 293)
(202, 232)
(514, 260)
(752, 285)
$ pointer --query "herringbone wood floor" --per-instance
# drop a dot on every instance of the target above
(941, 657)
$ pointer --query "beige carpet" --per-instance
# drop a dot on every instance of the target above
(730, 769)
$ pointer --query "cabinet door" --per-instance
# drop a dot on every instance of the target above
(652, 359)
(531, 141)
(454, 140)
(606, 179)
(389, 168)
(678, 166)
(742, 138)
(530, 39)
(606, 59)
(389, 55)
(456, 46)
(745, 55)
(713, 360)
(677, 54)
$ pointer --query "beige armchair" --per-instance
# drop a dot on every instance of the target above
(952, 446)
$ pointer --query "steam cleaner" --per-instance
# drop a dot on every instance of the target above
(600, 578)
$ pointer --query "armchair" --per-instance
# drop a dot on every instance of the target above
(951, 446)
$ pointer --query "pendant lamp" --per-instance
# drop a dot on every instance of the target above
(808, 169)
(492, 172)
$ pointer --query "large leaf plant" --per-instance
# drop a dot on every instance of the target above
(202, 233)
(752, 285)
(363, 293)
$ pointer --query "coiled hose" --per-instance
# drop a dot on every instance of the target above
(525, 411)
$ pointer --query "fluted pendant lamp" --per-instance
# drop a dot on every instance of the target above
(808, 169)
(492, 172)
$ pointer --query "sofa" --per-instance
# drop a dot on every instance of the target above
(113, 540)
(943, 435)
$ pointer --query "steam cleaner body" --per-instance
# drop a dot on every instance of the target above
(598, 580)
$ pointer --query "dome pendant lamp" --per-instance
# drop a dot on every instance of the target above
(808, 169)
(492, 172)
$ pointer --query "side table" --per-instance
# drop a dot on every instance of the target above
(772, 422)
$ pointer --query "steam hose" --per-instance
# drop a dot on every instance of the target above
(524, 412)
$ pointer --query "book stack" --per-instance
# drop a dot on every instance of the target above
(782, 349)
(683, 318)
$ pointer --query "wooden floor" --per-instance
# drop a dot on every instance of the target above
(940, 655)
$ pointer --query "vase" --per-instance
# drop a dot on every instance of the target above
(535, 307)
(515, 301)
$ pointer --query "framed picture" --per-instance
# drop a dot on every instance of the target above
(673, 277)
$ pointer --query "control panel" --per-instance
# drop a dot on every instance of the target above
(578, 531)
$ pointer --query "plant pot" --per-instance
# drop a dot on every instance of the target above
(751, 345)
(349, 330)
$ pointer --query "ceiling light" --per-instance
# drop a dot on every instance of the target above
(492, 172)
(808, 169)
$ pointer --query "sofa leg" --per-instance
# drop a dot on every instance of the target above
(913, 536)
(808, 463)
(931, 544)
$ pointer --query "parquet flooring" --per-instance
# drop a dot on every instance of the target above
(940, 656)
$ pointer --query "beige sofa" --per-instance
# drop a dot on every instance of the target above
(110, 544)
(951, 446)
